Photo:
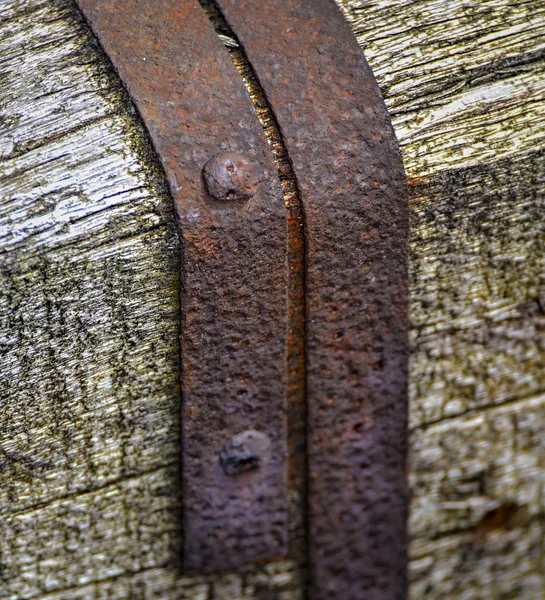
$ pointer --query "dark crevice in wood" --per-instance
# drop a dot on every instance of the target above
(28, 13)
(499, 70)
(86, 492)
(118, 240)
(505, 517)
(48, 140)
(470, 412)
(356, 16)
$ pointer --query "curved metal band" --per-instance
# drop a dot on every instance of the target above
(352, 187)
(234, 267)
(352, 184)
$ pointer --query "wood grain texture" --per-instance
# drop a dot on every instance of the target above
(89, 426)
(463, 80)
(465, 83)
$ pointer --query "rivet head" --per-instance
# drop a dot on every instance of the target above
(231, 176)
(244, 452)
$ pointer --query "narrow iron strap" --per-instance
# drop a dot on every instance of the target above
(347, 163)
(232, 226)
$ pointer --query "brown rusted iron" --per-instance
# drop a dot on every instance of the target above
(346, 170)
(351, 181)
(233, 245)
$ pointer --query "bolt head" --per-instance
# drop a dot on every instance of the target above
(244, 452)
(230, 177)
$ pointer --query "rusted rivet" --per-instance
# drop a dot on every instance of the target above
(244, 452)
(231, 176)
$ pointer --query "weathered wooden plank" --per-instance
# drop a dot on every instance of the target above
(464, 80)
(477, 298)
(89, 295)
(461, 464)
(477, 513)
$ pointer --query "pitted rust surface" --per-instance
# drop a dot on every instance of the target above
(234, 274)
(349, 171)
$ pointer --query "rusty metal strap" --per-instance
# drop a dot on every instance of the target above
(348, 166)
(232, 228)
(351, 183)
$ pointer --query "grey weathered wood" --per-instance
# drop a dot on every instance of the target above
(89, 432)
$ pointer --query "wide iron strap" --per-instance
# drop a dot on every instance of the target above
(350, 180)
